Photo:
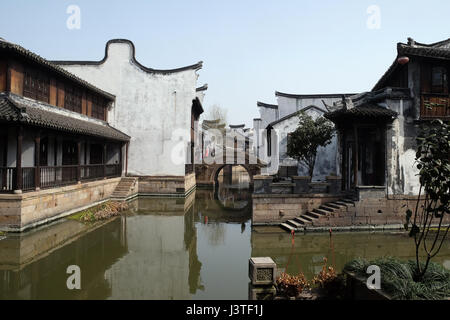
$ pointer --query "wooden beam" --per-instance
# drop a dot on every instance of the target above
(37, 160)
(104, 159)
(19, 158)
(79, 160)
(355, 129)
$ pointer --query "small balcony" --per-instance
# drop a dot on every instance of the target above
(434, 106)
(53, 177)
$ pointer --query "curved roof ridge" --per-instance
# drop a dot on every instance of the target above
(314, 95)
(266, 105)
(195, 66)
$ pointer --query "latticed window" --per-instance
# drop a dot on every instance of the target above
(98, 108)
(36, 85)
(72, 99)
(439, 80)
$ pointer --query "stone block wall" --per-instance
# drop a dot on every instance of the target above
(22, 211)
(277, 208)
(166, 185)
(368, 212)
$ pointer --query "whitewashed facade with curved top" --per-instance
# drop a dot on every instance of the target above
(152, 106)
(282, 118)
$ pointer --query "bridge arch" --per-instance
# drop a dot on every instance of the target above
(217, 168)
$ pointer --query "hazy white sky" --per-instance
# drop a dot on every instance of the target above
(250, 49)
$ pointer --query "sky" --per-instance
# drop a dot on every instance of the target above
(249, 49)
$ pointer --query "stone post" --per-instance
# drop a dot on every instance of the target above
(334, 184)
(262, 273)
(261, 184)
(301, 184)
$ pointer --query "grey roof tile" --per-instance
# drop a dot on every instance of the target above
(18, 109)
(15, 48)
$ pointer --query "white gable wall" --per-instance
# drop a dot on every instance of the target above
(153, 108)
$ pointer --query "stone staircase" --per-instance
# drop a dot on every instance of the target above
(320, 217)
(126, 188)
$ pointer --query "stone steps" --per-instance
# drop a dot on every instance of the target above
(125, 188)
(319, 216)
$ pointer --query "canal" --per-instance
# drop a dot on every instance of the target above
(193, 248)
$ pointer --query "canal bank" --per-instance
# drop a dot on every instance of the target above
(168, 248)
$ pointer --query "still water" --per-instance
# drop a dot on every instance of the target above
(193, 248)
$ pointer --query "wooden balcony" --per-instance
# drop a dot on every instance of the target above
(53, 177)
(434, 106)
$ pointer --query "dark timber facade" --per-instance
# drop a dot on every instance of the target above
(53, 131)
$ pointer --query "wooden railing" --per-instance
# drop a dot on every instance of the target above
(28, 178)
(7, 179)
(112, 170)
(52, 177)
(92, 172)
(434, 106)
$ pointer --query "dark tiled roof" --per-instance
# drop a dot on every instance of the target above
(295, 114)
(19, 109)
(202, 88)
(440, 50)
(313, 96)
(370, 111)
(266, 105)
(27, 54)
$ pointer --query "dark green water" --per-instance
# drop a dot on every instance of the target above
(194, 248)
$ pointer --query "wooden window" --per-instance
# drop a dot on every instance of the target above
(98, 108)
(439, 80)
(72, 99)
(43, 152)
(36, 85)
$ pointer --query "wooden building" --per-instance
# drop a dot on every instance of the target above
(54, 133)
(378, 129)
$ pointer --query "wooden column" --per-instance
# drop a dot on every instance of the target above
(19, 159)
(356, 155)
(104, 159)
(37, 160)
(79, 161)
(126, 157)
(120, 158)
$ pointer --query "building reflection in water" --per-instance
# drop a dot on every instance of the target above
(233, 190)
(33, 265)
(162, 262)
(151, 252)
(307, 251)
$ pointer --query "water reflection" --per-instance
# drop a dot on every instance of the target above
(33, 265)
(307, 251)
(233, 188)
(193, 248)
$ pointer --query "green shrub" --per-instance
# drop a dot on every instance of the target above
(397, 278)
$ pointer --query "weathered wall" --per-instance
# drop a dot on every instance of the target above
(288, 105)
(369, 211)
(162, 185)
(22, 211)
(326, 160)
(267, 207)
(401, 137)
(153, 108)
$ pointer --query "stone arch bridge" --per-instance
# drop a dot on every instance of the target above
(207, 174)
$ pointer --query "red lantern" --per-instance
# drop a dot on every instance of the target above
(403, 60)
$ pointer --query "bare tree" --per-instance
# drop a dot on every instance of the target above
(216, 112)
